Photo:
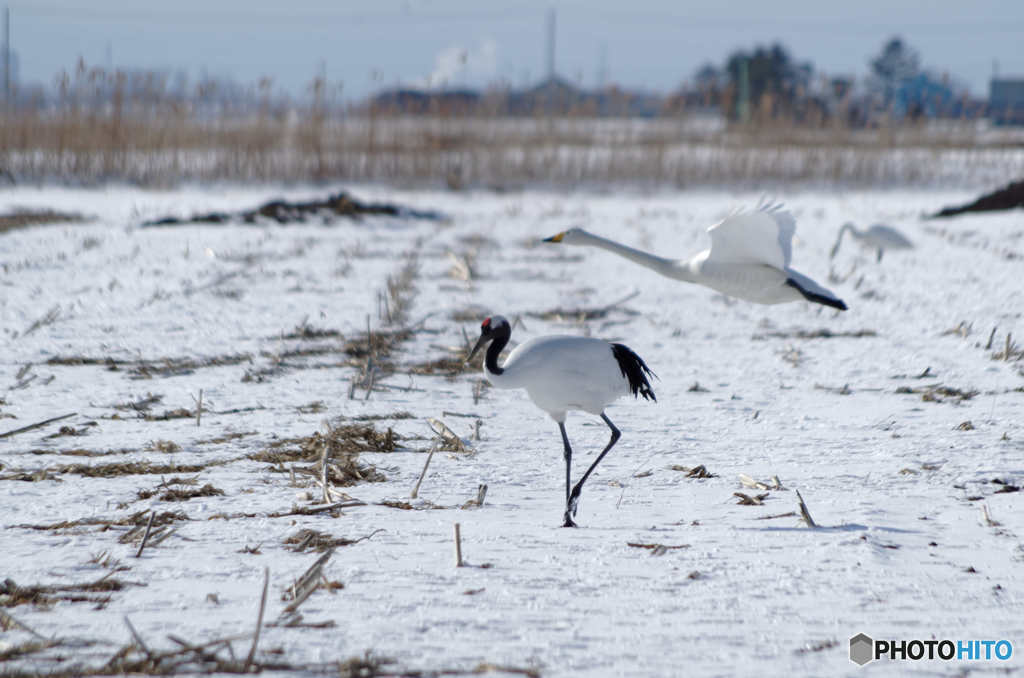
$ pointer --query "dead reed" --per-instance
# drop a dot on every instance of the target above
(135, 127)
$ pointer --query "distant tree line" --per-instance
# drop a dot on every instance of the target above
(768, 83)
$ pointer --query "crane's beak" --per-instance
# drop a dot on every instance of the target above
(480, 343)
(555, 238)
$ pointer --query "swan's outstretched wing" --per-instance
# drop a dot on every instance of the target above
(764, 236)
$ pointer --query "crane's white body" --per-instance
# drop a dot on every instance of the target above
(749, 258)
(562, 373)
(878, 237)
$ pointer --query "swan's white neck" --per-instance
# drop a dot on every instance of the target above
(666, 267)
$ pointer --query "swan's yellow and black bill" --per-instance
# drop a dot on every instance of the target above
(480, 343)
(555, 238)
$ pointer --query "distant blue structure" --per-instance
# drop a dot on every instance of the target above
(924, 96)
(1006, 101)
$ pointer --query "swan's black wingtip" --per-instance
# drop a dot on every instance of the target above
(834, 302)
(635, 370)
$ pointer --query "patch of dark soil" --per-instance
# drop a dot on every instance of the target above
(286, 212)
(1009, 197)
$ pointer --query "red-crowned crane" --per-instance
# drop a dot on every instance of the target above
(562, 373)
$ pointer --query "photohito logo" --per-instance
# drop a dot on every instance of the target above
(864, 649)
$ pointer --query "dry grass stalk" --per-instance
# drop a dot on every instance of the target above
(656, 549)
(458, 546)
(753, 484)
(306, 584)
(777, 515)
(479, 387)
(462, 267)
(259, 622)
(696, 472)
(48, 318)
(963, 329)
(181, 494)
(448, 440)
(137, 638)
(138, 520)
(1010, 352)
(804, 513)
(324, 480)
(343, 443)
(823, 333)
(7, 622)
(145, 538)
(988, 518)
(478, 501)
(580, 315)
(42, 595)
(38, 424)
(747, 481)
(400, 290)
(747, 500)
(309, 539)
(416, 489)
(937, 393)
(135, 468)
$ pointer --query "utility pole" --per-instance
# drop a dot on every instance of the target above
(551, 43)
(7, 55)
(744, 102)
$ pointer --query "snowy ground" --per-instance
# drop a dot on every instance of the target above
(870, 426)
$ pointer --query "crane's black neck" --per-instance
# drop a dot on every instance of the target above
(501, 336)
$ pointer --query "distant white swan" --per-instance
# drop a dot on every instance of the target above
(879, 237)
(748, 259)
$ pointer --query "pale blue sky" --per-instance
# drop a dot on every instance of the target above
(368, 45)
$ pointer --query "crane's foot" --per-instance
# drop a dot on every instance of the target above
(570, 508)
(574, 500)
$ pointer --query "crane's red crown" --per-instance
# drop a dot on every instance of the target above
(485, 324)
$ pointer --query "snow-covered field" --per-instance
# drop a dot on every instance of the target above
(897, 425)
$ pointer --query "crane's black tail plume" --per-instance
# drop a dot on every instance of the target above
(635, 370)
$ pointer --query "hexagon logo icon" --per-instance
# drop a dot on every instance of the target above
(861, 649)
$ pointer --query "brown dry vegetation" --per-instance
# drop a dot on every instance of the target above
(139, 131)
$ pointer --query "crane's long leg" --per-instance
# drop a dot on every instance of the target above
(574, 496)
(568, 473)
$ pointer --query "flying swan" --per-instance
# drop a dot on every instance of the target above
(748, 259)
